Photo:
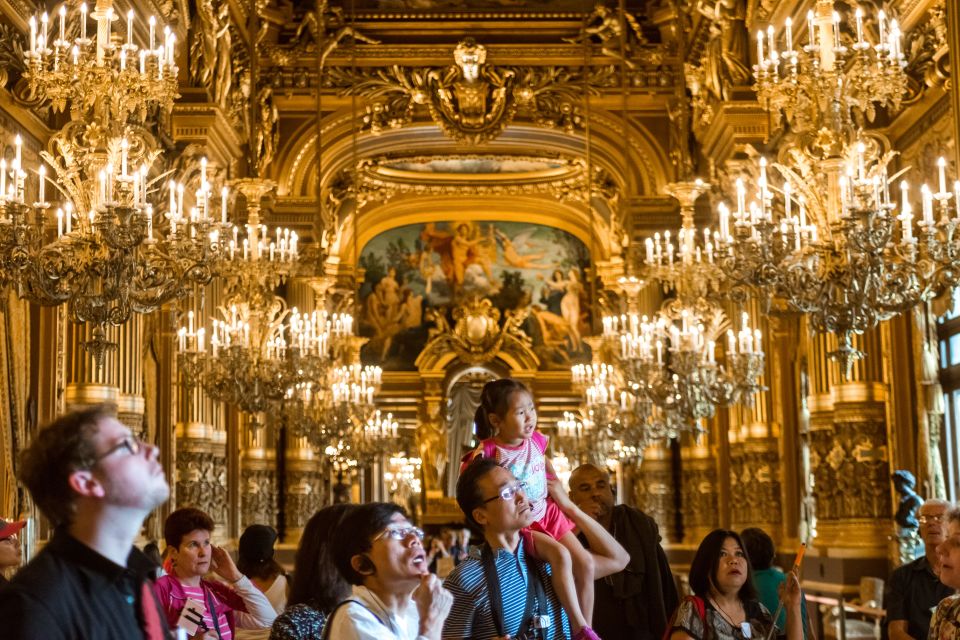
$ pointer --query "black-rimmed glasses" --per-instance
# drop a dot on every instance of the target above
(131, 443)
(508, 491)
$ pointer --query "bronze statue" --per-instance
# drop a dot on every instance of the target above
(267, 130)
(327, 27)
(605, 25)
(210, 62)
(725, 58)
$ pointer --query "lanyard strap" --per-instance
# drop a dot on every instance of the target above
(213, 611)
(535, 594)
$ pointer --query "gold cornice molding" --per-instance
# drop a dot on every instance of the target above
(205, 123)
(735, 123)
(643, 172)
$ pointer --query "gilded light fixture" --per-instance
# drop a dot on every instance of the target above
(672, 369)
(828, 239)
(115, 251)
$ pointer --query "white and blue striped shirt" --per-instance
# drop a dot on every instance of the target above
(471, 616)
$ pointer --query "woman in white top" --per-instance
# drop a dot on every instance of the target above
(394, 596)
(255, 560)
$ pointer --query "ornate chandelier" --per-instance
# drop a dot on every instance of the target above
(826, 239)
(109, 257)
(669, 374)
(258, 352)
(337, 409)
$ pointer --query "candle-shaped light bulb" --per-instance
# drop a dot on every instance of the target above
(789, 34)
(42, 171)
(859, 15)
(882, 26)
(760, 59)
(811, 29)
(33, 34)
(942, 170)
(223, 205)
(18, 153)
(83, 20)
(153, 26)
(44, 23)
(130, 28)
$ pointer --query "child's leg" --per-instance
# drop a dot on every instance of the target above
(582, 573)
(562, 577)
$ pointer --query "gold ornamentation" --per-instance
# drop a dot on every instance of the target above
(471, 101)
(477, 335)
(615, 32)
(327, 28)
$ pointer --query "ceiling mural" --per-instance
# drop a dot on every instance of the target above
(417, 271)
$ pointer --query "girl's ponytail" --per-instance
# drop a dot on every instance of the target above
(481, 424)
(495, 398)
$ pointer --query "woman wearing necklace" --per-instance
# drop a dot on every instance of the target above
(725, 605)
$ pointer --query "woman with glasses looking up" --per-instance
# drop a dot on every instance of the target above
(394, 596)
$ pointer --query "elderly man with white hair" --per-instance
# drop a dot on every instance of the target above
(914, 589)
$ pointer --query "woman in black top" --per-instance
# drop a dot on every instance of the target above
(725, 605)
(317, 585)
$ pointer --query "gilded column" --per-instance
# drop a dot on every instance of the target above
(87, 381)
(201, 440)
(258, 473)
(698, 493)
(654, 489)
(754, 450)
(130, 402)
(849, 453)
(304, 486)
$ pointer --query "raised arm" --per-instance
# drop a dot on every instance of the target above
(609, 556)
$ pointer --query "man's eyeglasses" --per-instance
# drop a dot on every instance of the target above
(400, 532)
(932, 519)
(508, 492)
(131, 443)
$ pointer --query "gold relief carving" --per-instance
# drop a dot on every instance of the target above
(471, 101)
(266, 134)
(654, 492)
(326, 27)
(210, 49)
(698, 498)
(851, 468)
(202, 477)
(754, 483)
(622, 40)
(258, 494)
(927, 59)
(477, 336)
(304, 496)
(725, 57)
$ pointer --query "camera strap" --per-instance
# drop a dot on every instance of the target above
(535, 596)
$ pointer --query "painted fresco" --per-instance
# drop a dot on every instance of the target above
(416, 270)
